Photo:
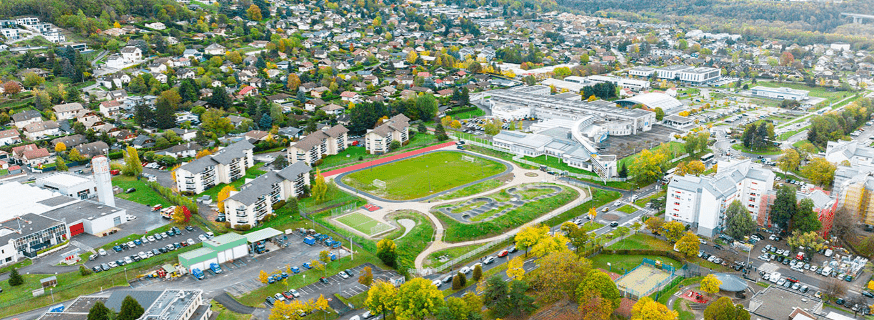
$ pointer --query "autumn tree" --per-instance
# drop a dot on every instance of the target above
(492, 126)
(412, 56)
(386, 250)
(811, 241)
(321, 304)
(223, 195)
(417, 298)
(530, 235)
(60, 165)
(673, 230)
(254, 13)
(559, 274)
(320, 188)
(446, 121)
(694, 167)
(458, 281)
(181, 215)
(504, 299)
(738, 221)
(11, 88)
(689, 244)
(819, 171)
(366, 276)
(515, 268)
(789, 160)
(577, 236)
(203, 153)
(597, 295)
(263, 277)
(381, 298)
(293, 82)
(648, 309)
(60, 147)
(556, 242)
(132, 166)
(74, 155)
(710, 284)
(724, 309)
(648, 166)
(654, 224)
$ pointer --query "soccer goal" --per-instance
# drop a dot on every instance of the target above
(468, 158)
(379, 183)
(380, 228)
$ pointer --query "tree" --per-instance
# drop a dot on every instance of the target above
(724, 309)
(459, 281)
(280, 162)
(598, 295)
(74, 155)
(505, 299)
(810, 240)
(263, 277)
(254, 13)
(412, 56)
(285, 311)
(648, 309)
(60, 165)
(477, 272)
(11, 87)
(99, 312)
(689, 244)
(366, 277)
(223, 195)
(660, 114)
(805, 219)
(321, 303)
(530, 235)
(461, 308)
(819, 171)
(320, 188)
(15, 279)
(60, 147)
(834, 288)
(386, 251)
(181, 215)
(789, 161)
(694, 167)
(417, 299)
(673, 230)
(381, 298)
(843, 223)
(132, 166)
(784, 207)
(130, 309)
(32, 80)
(492, 127)
(559, 274)
(649, 166)
(293, 82)
(324, 256)
(165, 107)
(515, 268)
(654, 224)
(738, 221)
(623, 171)
(577, 236)
(710, 284)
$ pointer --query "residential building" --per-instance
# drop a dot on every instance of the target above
(378, 140)
(110, 108)
(39, 130)
(317, 145)
(215, 49)
(92, 149)
(185, 150)
(781, 93)
(255, 199)
(67, 111)
(225, 166)
(131, 54)
(26, 117)
(700, 202)
(824, 205)
(9, 136)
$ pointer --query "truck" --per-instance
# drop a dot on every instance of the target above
(215, 267)
(333, 256)
(197, 273)
(309, 240)
(259, 247)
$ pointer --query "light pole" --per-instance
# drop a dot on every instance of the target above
(610, 266)
(52, 292)
(125, 276)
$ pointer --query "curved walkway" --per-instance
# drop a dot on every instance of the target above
(339, 178)
(519, 178)
(489, 203)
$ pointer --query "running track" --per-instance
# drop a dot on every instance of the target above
(387, 159)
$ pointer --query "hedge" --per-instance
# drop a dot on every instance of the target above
(667, 254)
(460, 110)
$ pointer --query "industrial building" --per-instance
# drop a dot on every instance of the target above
(700, 202)
(221, 249)
(167, 304)
(654, 100)
(780, 93)
(69, 184)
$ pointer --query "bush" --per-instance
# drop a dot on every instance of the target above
(244, 227)
(115, 155)
(84, 271)
(278, 205)
(15, 279)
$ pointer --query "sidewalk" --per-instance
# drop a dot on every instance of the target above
(386, 159)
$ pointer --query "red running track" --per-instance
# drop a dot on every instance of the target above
(387, 159)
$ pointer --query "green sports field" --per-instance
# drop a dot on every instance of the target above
(363, 223)
(423, 175)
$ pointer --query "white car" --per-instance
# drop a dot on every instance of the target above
(101, 252)
(294, 293)
(201, 237)
(190, 242)
(781, 282)
(128, 260)
(465, 270)
(112, 264)
(131, 244)
(343, 275)
(437, 283)
(142, 255)
(151, 238)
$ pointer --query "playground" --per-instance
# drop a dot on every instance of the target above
(645, 279)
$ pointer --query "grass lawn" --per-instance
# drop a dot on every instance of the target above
(621, 263)
(789, 134)
(333, 197)
(682, 307)
(599, 198)
(472, 190)
(17, 265)
(451, 253)
(488, 214)
(832, 96)
(251, 173)
(627, 209)
(805, 144)
(469, 114)
(225, 314)
(406, 179)
(642, 241)
(363, 223)
(769, 151)
(351, 154)
(676, 148)
(144, 194)
(472, 137)
(457, 231)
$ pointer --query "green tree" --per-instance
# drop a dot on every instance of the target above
(60, 165)
(789, 161)
(254, 13)
(660, 114)
(15, 279)
(417, 298)
(805, 219)
(130, 309)
(738, 221)
(578, 236)
(477, 272)
(280, 162)
(504, 299)
(459, 281)
(724, 309)
(598, 295)
(386, 250)
(559, 274)
(381, 298)
(215, 121)
(688, 244)
(784, 208)
(99, 312)
(810, 240)
(819, 171)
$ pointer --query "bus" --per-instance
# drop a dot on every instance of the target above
(707, 157)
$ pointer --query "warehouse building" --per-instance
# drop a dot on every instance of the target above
(780, 93)
(221, 249)
(69, 184)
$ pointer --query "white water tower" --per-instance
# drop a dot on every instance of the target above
(103, 180)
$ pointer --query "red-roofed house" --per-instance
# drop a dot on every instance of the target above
(247, 91)
(350, 96)
(36, 157)
(11, 136)
(444, 93)
(424, 74)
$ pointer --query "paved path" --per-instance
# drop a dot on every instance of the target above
(386, 159)
(232, 304)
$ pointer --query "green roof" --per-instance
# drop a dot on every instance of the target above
(195, 253)
(262, 234)
(225, 241)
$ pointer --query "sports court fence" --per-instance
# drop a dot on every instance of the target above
(635, 294)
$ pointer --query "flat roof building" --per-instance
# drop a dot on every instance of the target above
(69, 184)
(780, 93)
(774, 302)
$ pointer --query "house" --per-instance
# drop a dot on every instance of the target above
(225, 166)
(131, 54)
(110, 108)
(185, 150)
(67, 111)
(311, 105)
(247, 91)
(278, 98)
(255, 200)
(96, 148)
(256, 136)
(214, 49)
(236, 121)
(333, 109)
(70, 141)
(350, 96)
(143, 141)
(185, 73)
(379, 139)
(10, 136)
(115, 61)
(26, 117)
(39, 130)
(31, 155)
(317, 145)
(185, 134)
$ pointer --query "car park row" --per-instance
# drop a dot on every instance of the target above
(153, 241)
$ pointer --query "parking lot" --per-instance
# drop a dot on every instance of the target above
(111, 255)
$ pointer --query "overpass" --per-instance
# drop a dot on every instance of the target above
(858, 18)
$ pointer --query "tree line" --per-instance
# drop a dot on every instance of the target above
(833, 126)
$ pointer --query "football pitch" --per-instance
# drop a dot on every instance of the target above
(423, 175)
(363, 223)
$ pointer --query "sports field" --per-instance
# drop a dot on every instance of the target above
(642, 281)
(423, 175)
(364, 224)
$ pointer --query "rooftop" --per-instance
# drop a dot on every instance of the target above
(777, 303)
(79, 210)
(63, 179)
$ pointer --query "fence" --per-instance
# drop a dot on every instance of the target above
(661, 285)
(459, 259)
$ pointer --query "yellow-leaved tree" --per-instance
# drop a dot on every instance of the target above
(320, 188)
(263, 276)
(381, 298)
(531, 235)
(222, 196)
(60, 147)
(648, 309)
(710, 284)
(514, 268)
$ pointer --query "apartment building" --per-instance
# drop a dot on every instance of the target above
(701, 201)
(225, 166)
(853, 185)
(379, 139)
(255, 199)
(316, 145)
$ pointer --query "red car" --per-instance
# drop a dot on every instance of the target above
(503, 253)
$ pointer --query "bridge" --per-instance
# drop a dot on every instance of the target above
(858, 18)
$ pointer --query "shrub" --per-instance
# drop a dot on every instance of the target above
(84, 271)
(244, 227)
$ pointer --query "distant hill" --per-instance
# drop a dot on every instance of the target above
(87, 16)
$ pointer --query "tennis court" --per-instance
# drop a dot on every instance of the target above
(642, 281)
(363, 223)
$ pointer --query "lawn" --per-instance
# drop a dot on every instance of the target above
(801, 144)
(627, 209)
(355, 152)
(144, 194)
(469, 114)
(623, 263)
(415, 241)
(676, 148)
(351, 154)
(473, 189)
(363, 223)
(457, 231)
(789, 134)
(769, 151)
(225, 314)
(451, 253)
(643, 202)
(333, 197)
(406, 179)
(251, 173)
(642, 242)
(599, 198)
